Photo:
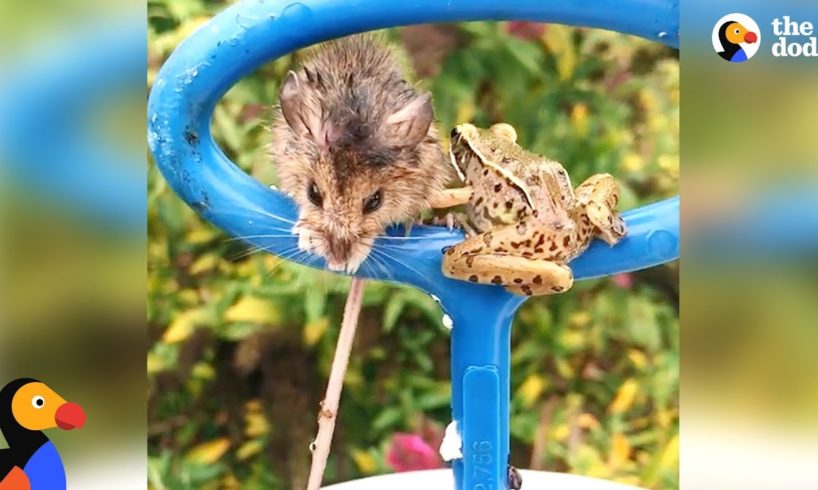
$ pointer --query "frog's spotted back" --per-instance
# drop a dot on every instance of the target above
(530, 220)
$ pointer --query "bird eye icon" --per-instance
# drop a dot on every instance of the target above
(736, 37)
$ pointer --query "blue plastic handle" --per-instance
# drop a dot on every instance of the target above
(253, 32)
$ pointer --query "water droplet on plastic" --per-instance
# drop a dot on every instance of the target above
(447, 322)
(297, 13)
(662, 35)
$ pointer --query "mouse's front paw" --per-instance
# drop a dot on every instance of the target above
(306, 240)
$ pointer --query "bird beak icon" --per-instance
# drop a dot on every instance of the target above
(70, 416)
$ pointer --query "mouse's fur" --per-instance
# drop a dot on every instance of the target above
(349, 122)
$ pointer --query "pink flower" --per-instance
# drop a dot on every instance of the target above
(409, 452)
(530, 31)
(624, 281)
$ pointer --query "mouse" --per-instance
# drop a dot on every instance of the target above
(355, 146)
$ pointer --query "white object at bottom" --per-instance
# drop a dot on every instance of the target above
(444, 480)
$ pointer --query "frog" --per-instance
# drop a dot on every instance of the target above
(528, 221)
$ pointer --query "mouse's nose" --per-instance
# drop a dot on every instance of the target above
(339, 252)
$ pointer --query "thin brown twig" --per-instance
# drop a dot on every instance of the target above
(329, 406)
(539, 453)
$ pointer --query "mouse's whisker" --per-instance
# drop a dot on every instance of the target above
(255, 249)
(373, 256)
(247, 237)
(262, 212)
(368, 266)
(282, 259)
(393, 258)
(396, 246)
(271, 215)
(376, 268)
(245, 253)
(297, 256)
(401, 238)
(290, 256)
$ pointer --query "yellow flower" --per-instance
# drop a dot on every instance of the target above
(620, 451)
(632, 163)
(183, 325)
(531, 389)
(365, 462)
(579, 119)
(625, 396)
(252, 309)
(208, 452)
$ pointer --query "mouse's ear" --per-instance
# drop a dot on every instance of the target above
(409, 125)
(301, 109)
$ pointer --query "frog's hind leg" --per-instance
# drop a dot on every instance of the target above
(546, 277)
(520, 275)
(598, 196)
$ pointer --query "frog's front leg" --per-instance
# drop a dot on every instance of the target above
(449, 198)
(598, 197)
(474, 261)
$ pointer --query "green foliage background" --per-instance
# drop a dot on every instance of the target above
(241, 342)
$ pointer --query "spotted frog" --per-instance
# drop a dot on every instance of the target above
(529, 222)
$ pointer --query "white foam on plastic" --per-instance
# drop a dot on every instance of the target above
(451, 447)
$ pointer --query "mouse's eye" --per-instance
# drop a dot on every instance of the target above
(37, 402)
(373, 202)
(314, 194)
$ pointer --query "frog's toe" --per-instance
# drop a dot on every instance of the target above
(613, 231)
(599, 214)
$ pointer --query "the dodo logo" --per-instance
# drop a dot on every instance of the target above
(31, 462)
(736, 38)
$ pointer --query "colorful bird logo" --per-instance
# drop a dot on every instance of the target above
(736, 38)
(31, 462)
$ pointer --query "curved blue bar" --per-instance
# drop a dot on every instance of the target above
(253, 32)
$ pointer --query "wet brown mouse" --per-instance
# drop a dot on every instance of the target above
(356, 148)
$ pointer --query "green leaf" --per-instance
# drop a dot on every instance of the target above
(315, 303)
(394, 307)
(641, 323)
(387, 418)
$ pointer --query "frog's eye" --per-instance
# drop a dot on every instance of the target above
(373, 202)
(38, 402)
(314, 194)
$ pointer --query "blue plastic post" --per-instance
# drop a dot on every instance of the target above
(253, 32)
